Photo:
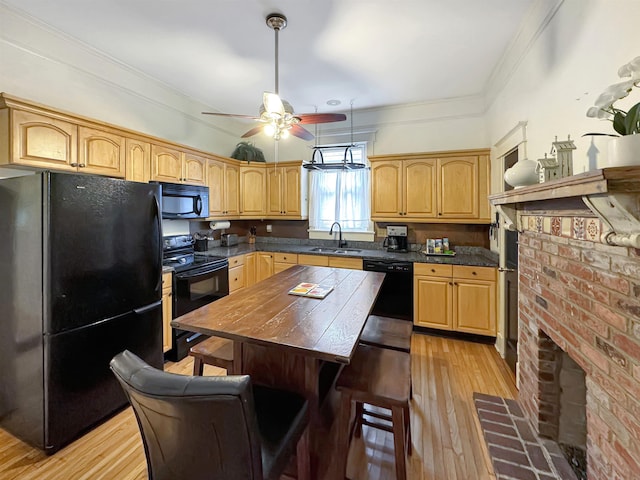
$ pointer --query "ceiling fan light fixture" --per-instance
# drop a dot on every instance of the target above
(269, 130)
(277, 114)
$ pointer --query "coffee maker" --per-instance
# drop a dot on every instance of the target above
(396, 239)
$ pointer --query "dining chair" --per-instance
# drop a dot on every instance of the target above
(387, 332)
(214, 427)
(214, 351)
(379, 377)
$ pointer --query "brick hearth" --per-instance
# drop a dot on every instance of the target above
(584, 296)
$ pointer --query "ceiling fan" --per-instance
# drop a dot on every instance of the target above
(277, 115)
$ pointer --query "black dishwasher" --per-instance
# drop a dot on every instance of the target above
(395, 299)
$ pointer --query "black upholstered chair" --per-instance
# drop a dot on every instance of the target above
(212, 427)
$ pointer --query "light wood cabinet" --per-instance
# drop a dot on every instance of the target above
(42, 141)
(250, 269)
(38, 141)
(252, 190)
(455, 297)
(286, 191)
(346, 262)
(101, 152)
(224, 188)
(403, 189)
(169, 164)
(236, 273)
(137, 160)
(434, 187)
(264, 265)
(457, 187)
(167, 311)
(313, 260)
(283, 261)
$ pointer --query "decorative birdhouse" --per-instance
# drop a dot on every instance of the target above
(559, 166)
(548, 168)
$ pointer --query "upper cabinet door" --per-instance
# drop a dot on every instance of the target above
(420, 188)
(166, 164)
(458, 194)
(137, 160)
(386, 189)
(101, 152)
(274, 192)
(215, 179)
(232, 189)
(195, 169)
(292, 194)
(252, 189)
(43, 142)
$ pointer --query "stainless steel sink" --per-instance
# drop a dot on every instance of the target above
(342, 251)
(323, 250)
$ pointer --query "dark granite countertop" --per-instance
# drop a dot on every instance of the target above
(475, 256)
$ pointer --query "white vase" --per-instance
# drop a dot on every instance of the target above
(522, 174)
(624, 151)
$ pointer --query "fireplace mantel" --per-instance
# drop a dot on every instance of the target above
(611, 194)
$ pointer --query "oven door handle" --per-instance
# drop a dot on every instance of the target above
(199, 273)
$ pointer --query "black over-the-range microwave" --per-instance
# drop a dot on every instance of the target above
(184, 201)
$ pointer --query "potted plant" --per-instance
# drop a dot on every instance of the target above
(248, 152)
(625, 148)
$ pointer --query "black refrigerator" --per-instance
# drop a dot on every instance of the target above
(80, 281)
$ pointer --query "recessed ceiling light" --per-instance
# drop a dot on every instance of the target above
(334, 102)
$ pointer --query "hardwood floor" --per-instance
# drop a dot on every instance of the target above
(447, 441)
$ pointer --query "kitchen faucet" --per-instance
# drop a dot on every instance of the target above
(341, 243)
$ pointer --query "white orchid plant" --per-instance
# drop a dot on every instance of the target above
(624, 123)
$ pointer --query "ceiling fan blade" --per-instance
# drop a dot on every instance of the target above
(321, 117)
(298, 131)
(236, 115)
(273, 103)
(253, 131)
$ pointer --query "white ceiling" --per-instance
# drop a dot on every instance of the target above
(371, 52)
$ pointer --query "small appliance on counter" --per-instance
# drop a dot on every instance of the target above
(201, 242)
(229, 239)
(396, 239)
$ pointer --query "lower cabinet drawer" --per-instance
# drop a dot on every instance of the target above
(285, 257)
(314, 260)
(236, 278)
(341, 262)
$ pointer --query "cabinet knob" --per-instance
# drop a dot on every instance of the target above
(433, 270)
(474, 273)
(82, 165)
(74, 164)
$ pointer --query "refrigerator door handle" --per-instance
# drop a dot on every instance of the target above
(159, 222)
(146, 308)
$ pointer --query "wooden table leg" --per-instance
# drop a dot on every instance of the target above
(237, 358)
(312, 393)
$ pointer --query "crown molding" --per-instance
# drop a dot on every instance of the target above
(536, 21)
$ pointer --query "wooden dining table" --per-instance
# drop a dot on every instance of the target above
(288, 341)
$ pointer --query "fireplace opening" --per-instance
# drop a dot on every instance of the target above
(563, 404)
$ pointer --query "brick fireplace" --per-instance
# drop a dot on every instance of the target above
(579, 314)
(582, 297)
